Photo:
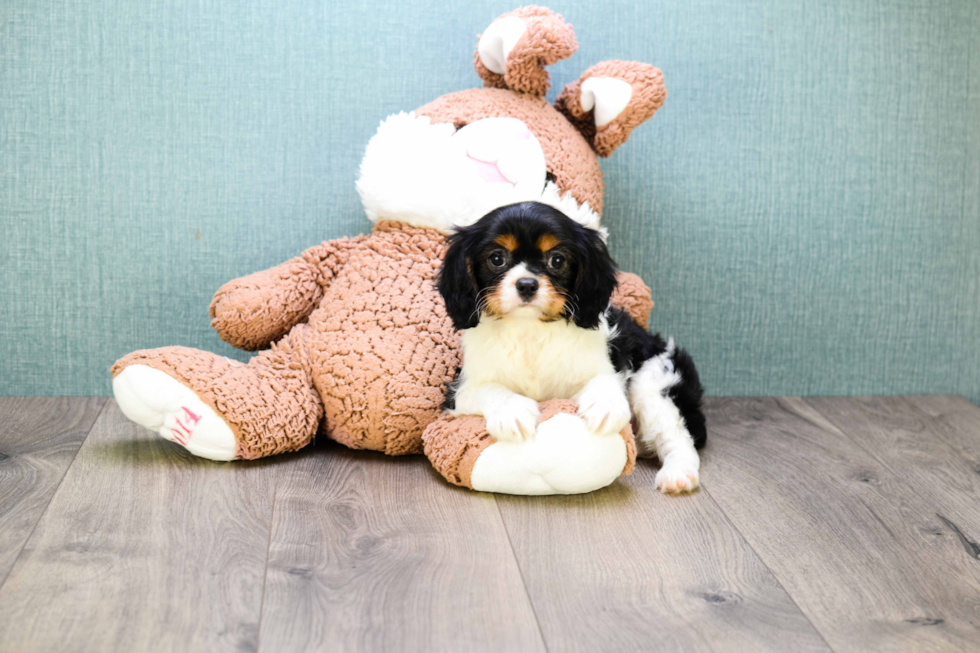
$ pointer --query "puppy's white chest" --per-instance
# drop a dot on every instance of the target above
(540, 360)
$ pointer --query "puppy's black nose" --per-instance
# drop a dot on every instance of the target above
(526, 288)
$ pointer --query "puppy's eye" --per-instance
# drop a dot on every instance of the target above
(556, 262)
(496, 259)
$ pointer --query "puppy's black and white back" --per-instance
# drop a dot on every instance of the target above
(530, 289)
(657, 365)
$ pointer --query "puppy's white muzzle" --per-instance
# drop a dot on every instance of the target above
(516, 296)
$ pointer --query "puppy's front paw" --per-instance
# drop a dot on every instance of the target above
(677, 477)
(515, 420)
(605, 410)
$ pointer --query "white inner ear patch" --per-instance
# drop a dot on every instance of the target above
(608, 95)
(497, 42)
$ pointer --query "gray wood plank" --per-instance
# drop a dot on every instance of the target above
(372, 553)
(865, 557)
(915, 446)
(629, 569)
(143, 548)
(955, 420)
(39, 437)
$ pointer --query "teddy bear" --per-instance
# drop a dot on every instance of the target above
(353, 338)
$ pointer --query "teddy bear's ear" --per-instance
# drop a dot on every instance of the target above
(610, 100)
(515, 48)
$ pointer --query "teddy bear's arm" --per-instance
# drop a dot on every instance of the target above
(256, 310)
(633, 296)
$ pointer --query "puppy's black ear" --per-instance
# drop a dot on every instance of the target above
(457, 284)
(596, 279)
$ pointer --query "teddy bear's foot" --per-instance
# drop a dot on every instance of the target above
(158, 402)
(564, 457)
(269, 405)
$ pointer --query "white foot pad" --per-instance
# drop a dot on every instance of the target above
(159, 402)
(564, 457)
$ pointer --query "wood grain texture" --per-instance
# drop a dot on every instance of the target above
(39, 437)
(955, 421)
(629, 569)
(915, 446)
(371, 553)
(143, 548)
(843, 524)
(865, 557)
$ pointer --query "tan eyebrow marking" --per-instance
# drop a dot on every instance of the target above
(547, 242)
(507, 241)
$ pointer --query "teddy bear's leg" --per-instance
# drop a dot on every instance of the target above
(221, 409)
(564, 457)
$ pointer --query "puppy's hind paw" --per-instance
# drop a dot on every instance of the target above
(677, 478)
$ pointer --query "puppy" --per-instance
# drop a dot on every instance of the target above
(530, 289)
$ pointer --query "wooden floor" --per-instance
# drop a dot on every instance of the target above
(822, 524)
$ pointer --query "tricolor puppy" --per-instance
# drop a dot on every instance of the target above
(530, 289)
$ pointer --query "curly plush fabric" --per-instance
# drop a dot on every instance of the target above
(547, 39)
(648, 96)
(383, 347)
(453, 444)
(570, 157)
(253, 311)
(633, 296)
(270, 404)
(371, 362)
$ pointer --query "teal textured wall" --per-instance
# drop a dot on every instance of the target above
(806, 206)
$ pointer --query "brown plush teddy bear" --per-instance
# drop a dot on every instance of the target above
(355, 338)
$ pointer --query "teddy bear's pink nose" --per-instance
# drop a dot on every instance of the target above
(489, 171)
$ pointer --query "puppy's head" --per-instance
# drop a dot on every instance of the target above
(527, 260)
